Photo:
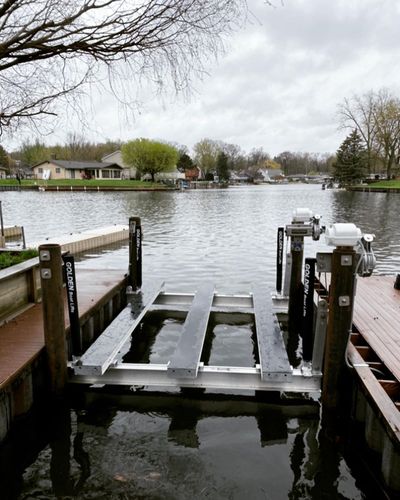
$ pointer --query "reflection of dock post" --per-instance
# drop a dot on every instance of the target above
(135, 252)
(53, 315)
(341, 297)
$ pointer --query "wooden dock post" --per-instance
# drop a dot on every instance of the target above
(135, 252)
(53, 315)
(341, 297)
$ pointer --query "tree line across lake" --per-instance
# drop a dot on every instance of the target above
(211, 156)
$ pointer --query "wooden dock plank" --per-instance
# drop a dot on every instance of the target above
(377, 317)
(185, 360)
(271, 347)
(22, 338)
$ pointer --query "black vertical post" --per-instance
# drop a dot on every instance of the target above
(23, 237)
(296, 287)
(135, 252)
(2, 236)
(308, 308)
(295, 310)
(72, 301)
(279, 259)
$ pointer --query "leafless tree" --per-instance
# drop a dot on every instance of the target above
(358, 113)
(376, 117)
(49, 49)
(387, 120)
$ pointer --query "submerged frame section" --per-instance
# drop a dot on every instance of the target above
(101, 363)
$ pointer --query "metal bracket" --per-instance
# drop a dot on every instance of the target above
(324, 262)
(45, 273)
(298, 230)
(44, 255)
(344, 300)
(346, 260)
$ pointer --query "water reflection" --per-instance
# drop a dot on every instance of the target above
(158, 446)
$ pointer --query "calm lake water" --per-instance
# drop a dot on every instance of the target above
(180, 449)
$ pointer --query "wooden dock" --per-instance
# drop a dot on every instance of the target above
(101, 295)
(374, 354)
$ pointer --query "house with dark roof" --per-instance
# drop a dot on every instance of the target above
(63, 169)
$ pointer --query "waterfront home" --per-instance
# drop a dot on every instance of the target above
(270, 175)
(63, 169)
(116, 157)
(193, 174)
(240, 178)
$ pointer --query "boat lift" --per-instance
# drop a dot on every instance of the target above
(103, 364)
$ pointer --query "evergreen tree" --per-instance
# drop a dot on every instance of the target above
(351, 160)
(222, 166)
(4, 160)
(184, 162)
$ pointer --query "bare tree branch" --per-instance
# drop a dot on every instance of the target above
(163, 40)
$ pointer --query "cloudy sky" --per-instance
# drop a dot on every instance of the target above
(279, 84)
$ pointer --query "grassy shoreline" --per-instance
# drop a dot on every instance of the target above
(395, 184)
(384, 186)
(82, 183)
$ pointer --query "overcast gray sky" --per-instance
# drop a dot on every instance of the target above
(280, 81)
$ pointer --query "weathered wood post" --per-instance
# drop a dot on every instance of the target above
(135, 252)
(53, 315)
(341, 297)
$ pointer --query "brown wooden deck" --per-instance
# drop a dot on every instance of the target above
(22, 338)
(377, 318)
(375, 347)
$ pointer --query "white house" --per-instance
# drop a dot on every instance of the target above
(271, 175)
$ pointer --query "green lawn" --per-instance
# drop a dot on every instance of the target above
(386, 184)
(88, 183)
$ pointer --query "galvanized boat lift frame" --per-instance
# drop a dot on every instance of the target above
(101, 363)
